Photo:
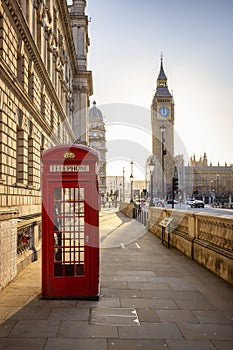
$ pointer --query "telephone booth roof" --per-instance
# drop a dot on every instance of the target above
(70, 152)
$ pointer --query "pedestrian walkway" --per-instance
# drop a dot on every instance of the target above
(151, 298)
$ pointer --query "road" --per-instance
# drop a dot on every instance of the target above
(208, 209)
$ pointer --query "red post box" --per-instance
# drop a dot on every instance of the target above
(70, 223)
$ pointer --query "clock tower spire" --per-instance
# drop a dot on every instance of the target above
(162, 121)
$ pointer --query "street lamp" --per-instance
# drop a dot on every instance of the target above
(211, 192)
(217, 178)
(151, 167)
(231, 186)
(120, 193)
(123, 187)
(131, 183)
(163, 129)
(116, 192)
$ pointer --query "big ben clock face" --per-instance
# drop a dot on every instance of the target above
(164, 111)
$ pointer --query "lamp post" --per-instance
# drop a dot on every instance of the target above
(131, 183)
(231, 191)
(217, 188)
(120, 193)
(163, 129)
(123, 186)
(151, 167)
(116, 192)
(211, 192)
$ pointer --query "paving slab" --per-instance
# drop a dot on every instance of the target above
(138, 344)
(73, 344)
(22, 343)
(223, 345)
(69, 313)
(191, 345)
(206, 316)
(176, 316)
(35, 328)
(148, 330)
(212, 331)
(82, 329)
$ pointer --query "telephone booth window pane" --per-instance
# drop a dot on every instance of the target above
(69, 232)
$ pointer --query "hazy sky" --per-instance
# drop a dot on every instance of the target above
(196, 39)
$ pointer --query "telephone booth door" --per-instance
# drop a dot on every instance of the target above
(70, 256)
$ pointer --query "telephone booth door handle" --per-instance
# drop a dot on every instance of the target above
(87, 239)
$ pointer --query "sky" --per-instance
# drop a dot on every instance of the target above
(127, 38)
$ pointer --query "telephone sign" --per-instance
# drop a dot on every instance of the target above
(70, 223)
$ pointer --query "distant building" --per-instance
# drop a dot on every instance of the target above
(202, 180)
(114, 189)
(97, 140)
(212, 183)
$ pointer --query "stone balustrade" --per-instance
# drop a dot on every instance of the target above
(207, 239)
(204, 238)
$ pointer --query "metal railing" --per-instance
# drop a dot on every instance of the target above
(140, 215)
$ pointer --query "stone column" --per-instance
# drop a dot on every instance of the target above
(80, 121)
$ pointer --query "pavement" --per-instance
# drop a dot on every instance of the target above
(151, 298)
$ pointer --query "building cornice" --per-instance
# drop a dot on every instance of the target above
(88, 76)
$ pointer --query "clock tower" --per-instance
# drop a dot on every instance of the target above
(162, 120)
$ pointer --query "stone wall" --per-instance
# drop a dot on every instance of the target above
(127, 209)
(204, 238)
(8, 246)
(20, 243)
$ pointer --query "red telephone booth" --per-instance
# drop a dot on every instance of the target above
(70, 223)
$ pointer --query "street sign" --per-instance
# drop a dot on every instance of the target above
(166, 221)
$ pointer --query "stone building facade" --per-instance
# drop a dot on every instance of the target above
(44, 98)
(201, 179)
(210, 182)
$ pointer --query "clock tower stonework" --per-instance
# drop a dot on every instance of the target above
(162, 121)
